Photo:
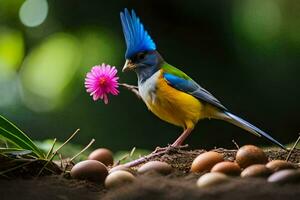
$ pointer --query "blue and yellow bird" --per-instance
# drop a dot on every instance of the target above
(167, 91)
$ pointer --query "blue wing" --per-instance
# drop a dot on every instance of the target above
(192, 88)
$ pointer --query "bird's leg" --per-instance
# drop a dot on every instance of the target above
(161, 151)
(177, 144)
(131, 88)
(182, 137)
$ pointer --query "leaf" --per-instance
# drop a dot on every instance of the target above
(9, 150)
(12, 133)
(15, 151)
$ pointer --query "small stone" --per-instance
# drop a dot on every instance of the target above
(102, 155)
(157, 166)
(118, 178)
(205, 161)
(249, 155)
(91, 170)
(212, 179)
(276, 165)
(227, 167)
(285, 176)
(120, 167)
(257, 170)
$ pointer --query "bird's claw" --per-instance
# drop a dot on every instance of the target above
(159, 149)
(169, 148)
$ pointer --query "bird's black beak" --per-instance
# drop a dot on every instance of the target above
(128, 66)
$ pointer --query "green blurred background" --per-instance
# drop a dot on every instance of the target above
(247, 53)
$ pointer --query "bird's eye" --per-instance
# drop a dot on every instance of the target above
(140, 56)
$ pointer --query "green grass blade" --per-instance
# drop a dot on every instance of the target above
(15, 151)
(8, 150)
(12, 133)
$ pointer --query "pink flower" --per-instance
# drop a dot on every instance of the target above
(101, 81)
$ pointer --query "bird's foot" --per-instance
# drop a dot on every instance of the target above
(131, 88)
(159, 151)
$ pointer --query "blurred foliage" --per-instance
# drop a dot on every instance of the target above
(48, 70)
(11, 50)
(245, 52)
(33, 12)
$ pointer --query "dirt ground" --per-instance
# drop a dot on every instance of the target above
(178, 185)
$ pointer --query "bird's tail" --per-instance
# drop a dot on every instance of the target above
(233, 119)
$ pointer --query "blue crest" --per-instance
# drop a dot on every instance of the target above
(137, 38)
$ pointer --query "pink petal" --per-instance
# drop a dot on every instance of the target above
(101, 90)
(105, 99)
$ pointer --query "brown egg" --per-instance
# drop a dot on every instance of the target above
(285, 176)
(158, 166)
(249, 155)
(212, 179)
(90, 170)
(227, 167)
(257, 170)
(276, 165)
(118, 178)
(120, 167)
(102, 155)
(205, 161)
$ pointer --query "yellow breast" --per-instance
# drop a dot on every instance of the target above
(174, 106)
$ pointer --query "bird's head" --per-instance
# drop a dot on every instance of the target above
(141, 54)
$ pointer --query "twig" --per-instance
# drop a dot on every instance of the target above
(132, 152)
(292, 149)
(85, 148)
(144, 159)
(14, 168)
(63, 144)
(131, 88)
(236, 145)
(55, 152)
(7, 177)
(51, 149)
(125, 157)
(120, 160)
(153, 155)
(61, 160)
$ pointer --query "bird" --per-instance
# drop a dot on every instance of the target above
(167, 91)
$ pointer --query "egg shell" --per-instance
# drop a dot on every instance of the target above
(249, 155)
(276, 165)
(227, 167)
(102, 155)
(205, 161)
(157, 166)
(120, 167)
(91, 170)
(285, 176)
(257, 170)
(118, 178)
(211, 179)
